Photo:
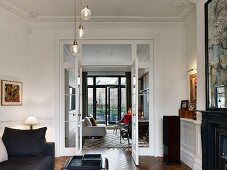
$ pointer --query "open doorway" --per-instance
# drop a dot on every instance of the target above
(108, 100)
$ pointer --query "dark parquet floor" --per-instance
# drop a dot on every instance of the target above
(120, 159)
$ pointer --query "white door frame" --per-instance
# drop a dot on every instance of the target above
(134, 129)
(69, 151)
(60, 40)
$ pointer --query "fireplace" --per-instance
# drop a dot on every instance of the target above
(214, 140)
(223, 149)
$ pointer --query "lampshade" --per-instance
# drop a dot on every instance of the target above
(74, 48)
(81, 31)
(86, 13)
(31, 120)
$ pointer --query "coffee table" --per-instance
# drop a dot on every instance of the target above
(86, 162)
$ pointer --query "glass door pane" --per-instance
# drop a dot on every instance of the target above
(123, 102)
(134, 79)
(101, 105)
(113, 105)
(90, 102)
(144, 109)
(70, 98)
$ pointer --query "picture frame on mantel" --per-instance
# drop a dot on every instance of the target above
(184, 104)
(11, 93)
(216, 55)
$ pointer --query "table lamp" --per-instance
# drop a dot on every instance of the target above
(31, 120)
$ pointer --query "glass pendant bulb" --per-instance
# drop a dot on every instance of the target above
(75, 48)
(86, 13)
(81, 31)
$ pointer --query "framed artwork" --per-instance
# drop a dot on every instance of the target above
(11, 93)
(193, 88)
(184, 104)
(216, 54)
(192, 107)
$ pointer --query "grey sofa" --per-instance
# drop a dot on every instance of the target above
(93, 131)
(28, 150)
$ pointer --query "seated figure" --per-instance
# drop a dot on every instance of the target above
(127, 118)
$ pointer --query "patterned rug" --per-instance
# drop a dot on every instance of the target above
(111, 140)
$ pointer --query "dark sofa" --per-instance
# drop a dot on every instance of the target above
(28, 150)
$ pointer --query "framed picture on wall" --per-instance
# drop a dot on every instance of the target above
(11, 93)
(193, 88)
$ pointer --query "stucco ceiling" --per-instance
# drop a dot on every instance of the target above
(102, 10)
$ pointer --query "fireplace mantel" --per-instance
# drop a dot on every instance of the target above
(212, 123)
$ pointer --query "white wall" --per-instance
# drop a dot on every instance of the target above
(14, 50)
(191, 57)
(33, 61)
(17, 64)
(191, 150)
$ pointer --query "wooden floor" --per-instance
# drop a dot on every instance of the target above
(120, 159)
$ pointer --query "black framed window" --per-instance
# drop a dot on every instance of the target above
(107, 97)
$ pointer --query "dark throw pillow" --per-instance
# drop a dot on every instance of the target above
(93, 121)
(24, 142)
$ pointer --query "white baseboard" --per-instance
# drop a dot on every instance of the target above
(197, 164)
(160, 153)
(187, 157)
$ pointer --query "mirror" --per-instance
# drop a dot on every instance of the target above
(216, 55)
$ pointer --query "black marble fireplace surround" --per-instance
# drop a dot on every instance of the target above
(214, 140)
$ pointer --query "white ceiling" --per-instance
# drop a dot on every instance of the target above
(102, 10)
(106, 54)
(108, 57)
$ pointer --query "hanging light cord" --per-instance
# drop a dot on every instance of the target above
(75, 22)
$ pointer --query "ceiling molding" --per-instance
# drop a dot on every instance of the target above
(106, 25)
(14, 10)
(189, 7)
(181, 3)
(25, 15)
(193, 1)
(109, 19)
(187, 12)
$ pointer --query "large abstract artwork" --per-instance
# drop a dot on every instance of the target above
(216, 54)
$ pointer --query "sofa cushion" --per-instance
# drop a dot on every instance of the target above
(3, 152)
(87, 121)
(93, 121)
(24, 142)
(27, 163)
(83, 123)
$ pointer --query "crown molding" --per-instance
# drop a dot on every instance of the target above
(193, 1)
(26, 16)
(108, 19)
(187, 12)
(106, 25)
(11, 8)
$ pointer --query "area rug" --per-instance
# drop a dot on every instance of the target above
(111, 140)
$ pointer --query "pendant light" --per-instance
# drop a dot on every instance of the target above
(86, 13)
(75, 49)
(81, 31)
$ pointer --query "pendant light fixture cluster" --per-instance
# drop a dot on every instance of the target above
(86, 15)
